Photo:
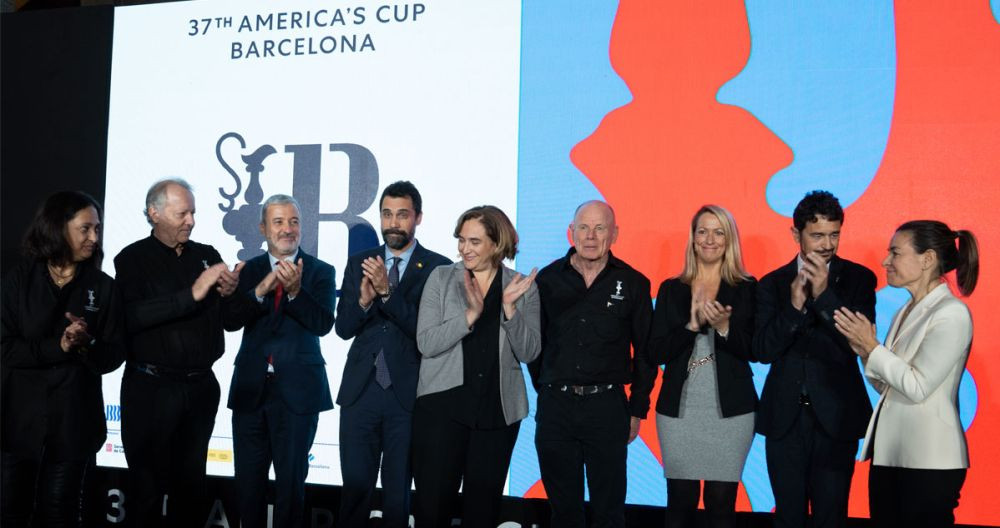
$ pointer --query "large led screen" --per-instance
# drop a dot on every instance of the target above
(656, 107)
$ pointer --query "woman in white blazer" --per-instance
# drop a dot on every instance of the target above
(915, 438)
(478, 321)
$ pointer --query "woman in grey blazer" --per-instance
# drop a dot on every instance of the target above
(478, 321)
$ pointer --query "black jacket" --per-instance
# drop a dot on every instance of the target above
(672, 344)
(807, 353)
(52, 399)
(390, 326)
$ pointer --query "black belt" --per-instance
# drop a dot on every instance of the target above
(171, 373)
(583, 390)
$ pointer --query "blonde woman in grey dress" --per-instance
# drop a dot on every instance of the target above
(702, 331)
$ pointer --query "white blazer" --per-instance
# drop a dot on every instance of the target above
(917, 374)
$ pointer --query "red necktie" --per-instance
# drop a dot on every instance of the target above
(278, 292)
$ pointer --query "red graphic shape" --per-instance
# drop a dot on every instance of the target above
(674, 148)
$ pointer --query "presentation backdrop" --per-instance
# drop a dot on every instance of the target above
(656, 107)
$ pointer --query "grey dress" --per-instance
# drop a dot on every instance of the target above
(700, 444)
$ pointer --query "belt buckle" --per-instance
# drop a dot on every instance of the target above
(804, 400)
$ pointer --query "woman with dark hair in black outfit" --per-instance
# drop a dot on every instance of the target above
(62, 329)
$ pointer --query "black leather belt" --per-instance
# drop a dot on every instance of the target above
(170, 373)
(583, 390)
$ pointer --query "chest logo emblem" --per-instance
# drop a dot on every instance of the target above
(91, 307)
(618, 292)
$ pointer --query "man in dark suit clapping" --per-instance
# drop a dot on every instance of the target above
(279, 382)
(814, 407)
(380, 297)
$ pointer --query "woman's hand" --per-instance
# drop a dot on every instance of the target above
(473, 298)
(860, 333)
(717, 315)
(697, 319)
(517, 286)
(75, 334)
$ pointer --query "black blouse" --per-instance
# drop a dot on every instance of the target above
(52, 399)
(476, 402)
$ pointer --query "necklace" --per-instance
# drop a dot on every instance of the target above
(60, 278)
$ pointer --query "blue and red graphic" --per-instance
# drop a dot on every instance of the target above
(660, 107)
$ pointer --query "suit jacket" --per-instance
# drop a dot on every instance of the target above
(809, 355)
(918, 372)
(53, 399)
(441, 327)
(290, 335)
(390, 326)
(672, 344)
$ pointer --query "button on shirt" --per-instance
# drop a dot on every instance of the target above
(587, 332)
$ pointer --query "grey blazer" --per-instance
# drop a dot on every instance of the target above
(441, 326)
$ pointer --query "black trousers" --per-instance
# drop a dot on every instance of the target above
(166, 426)
(41, 491)
(913, 497)
(807, 467)
(589, 431)
(375, 434)
(446, 455)
(272, 433)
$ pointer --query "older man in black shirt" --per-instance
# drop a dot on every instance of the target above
(594, 307)
(176, 293)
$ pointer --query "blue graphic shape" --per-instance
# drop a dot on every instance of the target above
(821, 76)
(755, 480)
(995, 6)
(567, 87)
(646, 483)
(968, 400)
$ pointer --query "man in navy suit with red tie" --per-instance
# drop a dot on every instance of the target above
(279, 382)
(379, 300)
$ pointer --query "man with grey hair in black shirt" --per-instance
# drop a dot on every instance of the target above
(595, 307)
(177, 295)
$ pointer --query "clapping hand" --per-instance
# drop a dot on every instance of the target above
(697, 319)
(860, 332)
(290, 276)
(717, 315)
(473, 298)
(229, 280)
(515, 289)
(75, 335)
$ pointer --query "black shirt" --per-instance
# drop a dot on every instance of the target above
(587, 332)
(165, 325)
(52, 399)
(476, 402)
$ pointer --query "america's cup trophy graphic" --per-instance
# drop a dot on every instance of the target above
(242, 222)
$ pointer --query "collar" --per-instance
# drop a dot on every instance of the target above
(274, 261)
(406, 256)
(172, 250)
(613, 261)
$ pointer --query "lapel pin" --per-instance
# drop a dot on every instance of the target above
(420, 265)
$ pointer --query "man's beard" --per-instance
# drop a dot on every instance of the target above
(396, 238)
